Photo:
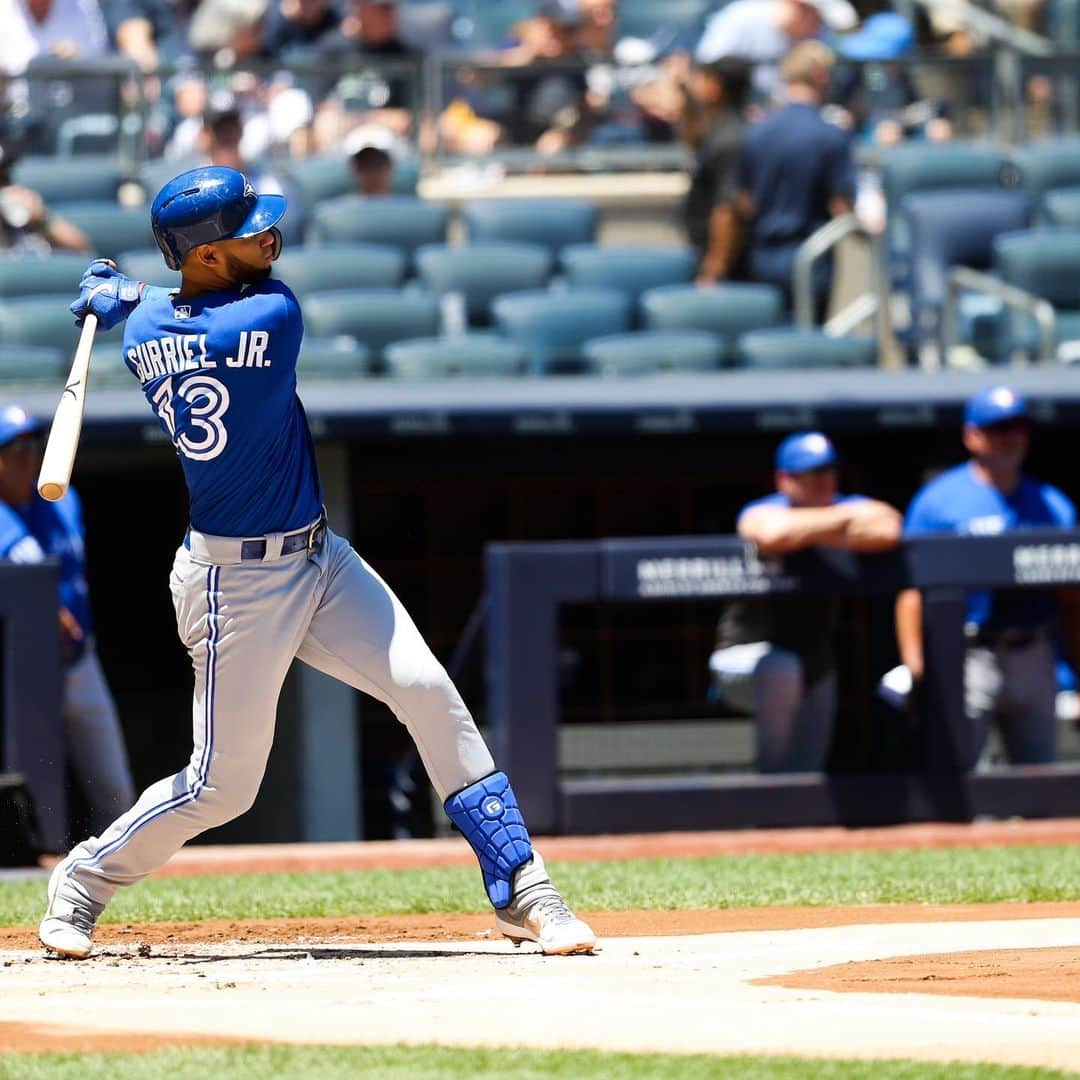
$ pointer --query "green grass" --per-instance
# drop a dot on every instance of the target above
(437, 1063)
(946, 876)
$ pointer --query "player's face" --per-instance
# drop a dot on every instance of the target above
(20, 462)
(248, 258)
(1000, 446)
(813, 488)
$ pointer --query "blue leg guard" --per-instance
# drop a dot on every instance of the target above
(487, 814)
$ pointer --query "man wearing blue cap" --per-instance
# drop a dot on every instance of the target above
(774, 655)
(1009, 672)
(32, 529)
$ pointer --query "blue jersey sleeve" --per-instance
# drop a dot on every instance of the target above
(16, 542)
(1060, 506)
(922, 515)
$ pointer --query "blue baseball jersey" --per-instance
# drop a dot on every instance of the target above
(219, 370)
(959, 502)
(40, 530)
(778, 498)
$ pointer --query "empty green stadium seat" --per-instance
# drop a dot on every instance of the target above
(646, 351)
(45, 321)
(339, 358)
(397, 220)
(340, 266)
(726, 310)
(469, 354)
(148, 264)
(633, 270)
(373, 317)
(33, 364)
(1047, 164)
(321, 177)
(111, 228)
(64, 180)
(788, 347)
(1062, 207)
(25, 275)
(480, 272)
(553, 326)
(552, 223)
(107, 367)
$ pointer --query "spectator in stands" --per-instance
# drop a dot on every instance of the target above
(373, 170)
(227, 31)
(1009, 673)
(763, 31)
(61, 29)
(32, 529)
(298, 29)
(25, 221)
(774, 655)
(711, 125)
(150, 31)
(796, 171)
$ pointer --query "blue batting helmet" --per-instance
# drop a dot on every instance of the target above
(208, 204)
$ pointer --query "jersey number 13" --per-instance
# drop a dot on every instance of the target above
(202, 401)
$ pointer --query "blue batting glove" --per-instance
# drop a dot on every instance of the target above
(104, 291)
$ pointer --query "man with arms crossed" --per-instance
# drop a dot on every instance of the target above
(774, 655)
(261, 578)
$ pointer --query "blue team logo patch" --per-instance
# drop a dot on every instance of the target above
(492, 807)
(182, 312)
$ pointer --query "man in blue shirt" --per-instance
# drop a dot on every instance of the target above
(260, 579)
(31, 530)
(1009, 673)
(774, 655)
(795, 174)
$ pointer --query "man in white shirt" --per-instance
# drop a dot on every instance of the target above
(63, 29)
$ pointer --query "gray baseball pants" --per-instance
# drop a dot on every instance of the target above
(95, 743)
(243, 622)
(1015, 688)
(794, 722)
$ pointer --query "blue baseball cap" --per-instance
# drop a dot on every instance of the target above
(16, 421)
(803, 451)
(995, 406)
(884, 36)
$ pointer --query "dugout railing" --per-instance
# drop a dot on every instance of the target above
(528, 583)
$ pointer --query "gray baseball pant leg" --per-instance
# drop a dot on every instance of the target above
(794, 724)
(362, 635)
(1017, 689)
(95, 742)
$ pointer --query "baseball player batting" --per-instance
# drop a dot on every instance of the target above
(260, 577)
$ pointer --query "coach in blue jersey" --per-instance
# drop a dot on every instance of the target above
(1009, 673)
(260, 578)
(32, 529)
(774, 655)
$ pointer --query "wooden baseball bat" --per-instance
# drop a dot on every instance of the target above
(59, 456)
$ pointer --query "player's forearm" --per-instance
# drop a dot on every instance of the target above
(778, 532)
(909, 637)
(873, 526)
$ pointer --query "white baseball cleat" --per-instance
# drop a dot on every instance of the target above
(537, 912)
(69, 919)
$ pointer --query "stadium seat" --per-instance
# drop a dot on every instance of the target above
(148, 264)
(46, 321)
(631, 270)
(25, 275)
(321, 177)
(789, 347)
(1046, 263)
(480, 272)
(373, 317)
(111, 228)
(646, 351)
(469, 354)
(924, 166)
(552, 327)
(340, 266)
(956, 227)
(33, 364)
(339, 357)
(60, 180)
(668, 24)
(1061, 207)
(1047, 164)
(107, 367)
(724, 310)
(552, 223)
(154, 174)
(398, 220)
